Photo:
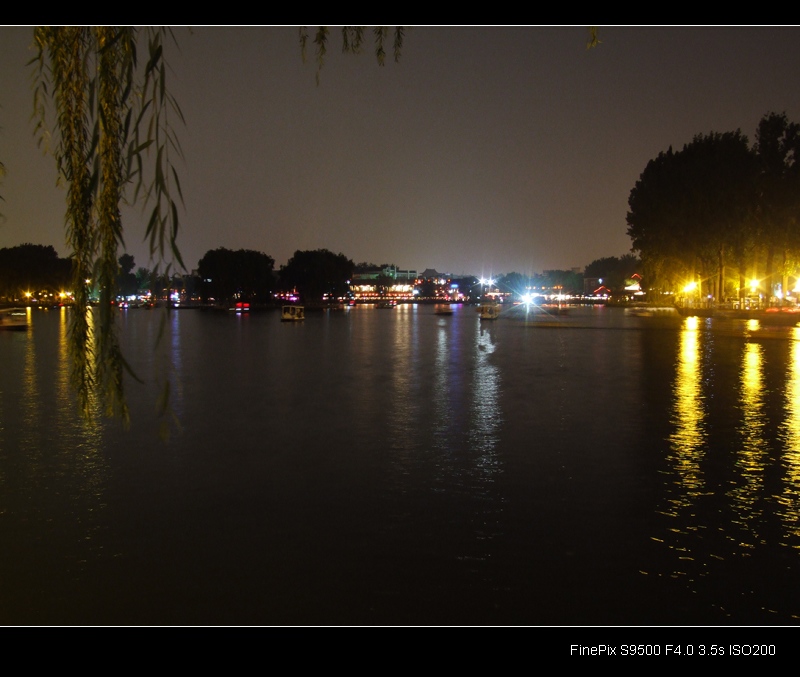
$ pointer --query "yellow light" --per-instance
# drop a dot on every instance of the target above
(690, 287)
(753, 285)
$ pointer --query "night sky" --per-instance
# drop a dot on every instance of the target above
(485, 150)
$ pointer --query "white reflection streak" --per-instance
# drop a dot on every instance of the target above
(485, 404)
(176, 363)
(441, 393)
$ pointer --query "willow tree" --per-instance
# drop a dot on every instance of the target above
(112, 115)
(112, 135)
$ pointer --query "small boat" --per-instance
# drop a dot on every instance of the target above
(444, 310)
(652, 311)
(387, 304)
(293, 313)
(14, 319)
(771, 332)
(489, 310)
(783, 317)
(696, 312)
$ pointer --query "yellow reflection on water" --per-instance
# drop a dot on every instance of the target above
(31, 410)
(688, 439)
(66, 406)
(789, 510)
(57, 446)
(686, 483)
(751, 456)
(405, 384)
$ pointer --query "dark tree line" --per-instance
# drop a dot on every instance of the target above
(224, 276)
(244, 275)
(615, 271)
(317, 273)
(32, 268)
(721, 211)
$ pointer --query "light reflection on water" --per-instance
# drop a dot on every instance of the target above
(406, 383)
(688, 440)
(55, 473)
(389, 466)
(752, 456)
(487, 418)
(789, 498)
(721, 517)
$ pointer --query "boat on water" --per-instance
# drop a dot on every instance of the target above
(293, 313)
(770, 332)
(785, 316)
(652, 311)
(387, 304)
(446, 309)
(696, 312)
(14, 319)
(489, 310)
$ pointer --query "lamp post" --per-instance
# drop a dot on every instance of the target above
(754, 290)
(689, 290)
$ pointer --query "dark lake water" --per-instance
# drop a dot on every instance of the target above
(396, 467)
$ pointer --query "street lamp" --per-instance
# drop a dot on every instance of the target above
(689, 290)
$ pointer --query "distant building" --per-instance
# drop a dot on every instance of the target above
(388, 282)
(391, 272)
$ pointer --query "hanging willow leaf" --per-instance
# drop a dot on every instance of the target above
(112, 132)
(593, 39)
(352, 41)
(303, 35)
(399, 36)
(380, 33)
